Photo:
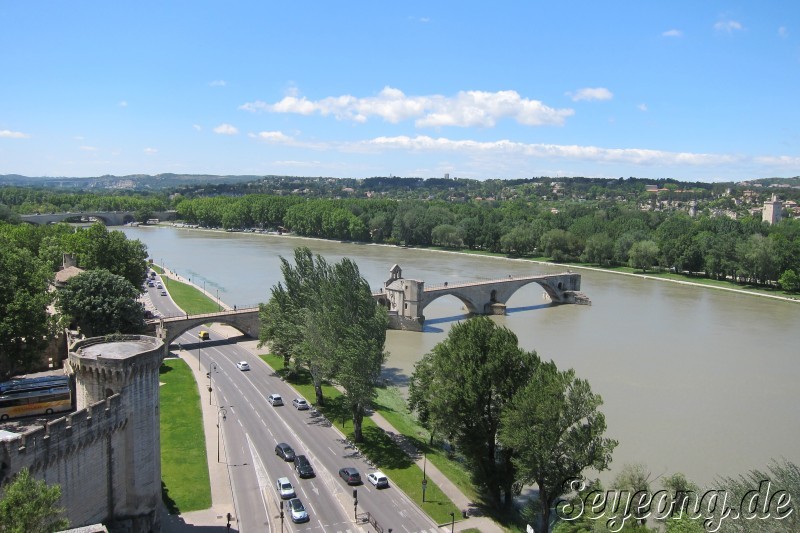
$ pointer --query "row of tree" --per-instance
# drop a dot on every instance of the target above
(719, 247)
(101, 300)
(323, 318)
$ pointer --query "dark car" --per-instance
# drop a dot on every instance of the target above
(302, 466)
(350, 475)
(284, 451)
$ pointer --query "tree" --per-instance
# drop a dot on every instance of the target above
(635, 479)
(556, 432)
(462, 386)
(24, 321)
(29, 505)
(643, 255)
(291, 321)
(96, 248)
(101, 303)
(325, 318)
(790, 281)
(356, 327)
(783, 476)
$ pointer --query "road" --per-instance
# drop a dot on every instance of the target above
(251, 428)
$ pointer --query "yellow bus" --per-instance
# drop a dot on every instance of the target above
(42, 399)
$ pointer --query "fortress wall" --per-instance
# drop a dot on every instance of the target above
(74, 451)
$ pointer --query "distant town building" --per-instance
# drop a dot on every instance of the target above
(772, 210)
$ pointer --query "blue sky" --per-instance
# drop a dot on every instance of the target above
(692, 90)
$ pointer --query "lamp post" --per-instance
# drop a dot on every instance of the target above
(424, 477)
(281, 505)
(224, 414)
(219, 305)
(452, 521)
(355, 505)
(213, 368)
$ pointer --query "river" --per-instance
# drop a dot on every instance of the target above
(693, 380)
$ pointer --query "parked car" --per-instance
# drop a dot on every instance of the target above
(243, 365)
(151, 284)
(163, 293)
(302, 466)
(159, 286)
(297, 511)
(203, 335)
(378, 479)
(300, 404)
(284, 451)
(285, 488)
(350, 475)
(275, 400)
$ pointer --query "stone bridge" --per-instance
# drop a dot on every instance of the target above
(407, 298)
(170, 328)
(109, 218)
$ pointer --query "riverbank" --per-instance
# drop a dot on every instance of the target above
(733, 288)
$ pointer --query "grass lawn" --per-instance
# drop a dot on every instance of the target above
(184, 467)
(188, 298)
(402, 471)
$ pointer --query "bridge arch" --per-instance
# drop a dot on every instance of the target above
(471, 307)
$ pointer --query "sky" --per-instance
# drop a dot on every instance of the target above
(685, 89)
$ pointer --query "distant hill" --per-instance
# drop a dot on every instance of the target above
(133, 182)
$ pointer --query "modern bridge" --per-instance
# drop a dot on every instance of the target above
(404, 299)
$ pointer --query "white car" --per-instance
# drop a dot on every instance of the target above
(378, 479)
(285, 488)
(275, 400)
(242, 365)
(297, 511)
(300, 404)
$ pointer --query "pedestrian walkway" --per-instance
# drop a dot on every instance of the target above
(474, 519)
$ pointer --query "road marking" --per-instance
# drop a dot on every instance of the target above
(261, 476)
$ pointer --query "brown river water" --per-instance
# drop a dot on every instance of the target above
(694, 380)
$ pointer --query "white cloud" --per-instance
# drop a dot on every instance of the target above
(672, 33)
(271, 136)
(637, 156)
(123, 103)
(642, 107)
(781, 161)
(783, 32)
(589, 94)
(728, 26)
(226, 129)
(217, 83)
(89, 148)
(197, 127)
(8, 134)
(465, 109)
(150, 151)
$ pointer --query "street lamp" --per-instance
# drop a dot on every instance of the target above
(424, 477)
(452, 521)
(212, 369)
(219, 305)
(281, 505)
(355, 505)
(224, 414)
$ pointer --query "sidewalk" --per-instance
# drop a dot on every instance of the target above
(213, 519)
(476, 520)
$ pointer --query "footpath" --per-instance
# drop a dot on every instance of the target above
(214, 519)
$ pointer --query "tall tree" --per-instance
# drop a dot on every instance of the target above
(101, 303)
(291, 321)
(463, 385)
(29, 505)
(24, 321)
(324, 318)
(356, 325)
(556, 431)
